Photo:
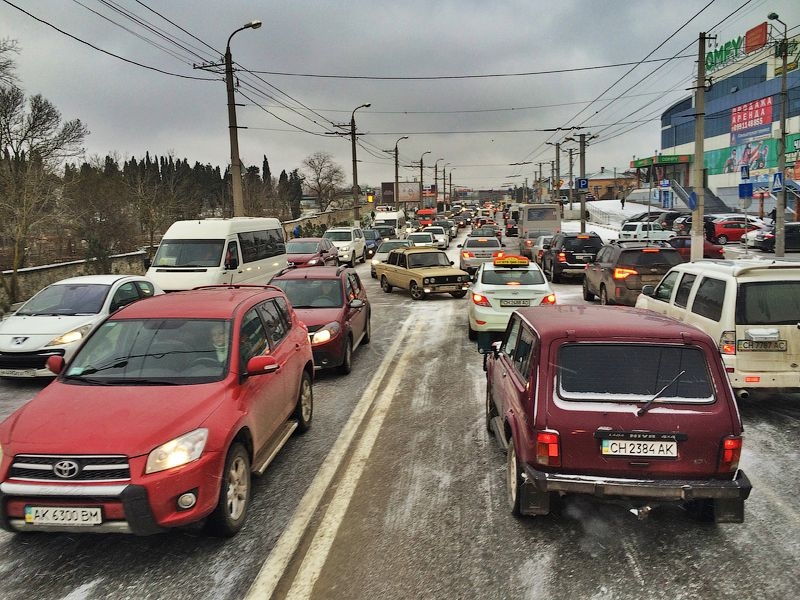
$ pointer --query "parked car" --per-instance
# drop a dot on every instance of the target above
(569, 253)
(765, 238)
(683, 244)
(421, 238)
(310, 252)
(616, 405)
(683, 225)
(349, 241)
(647, 216)
(372, 239)
(731, 229)
(644, 230)
(59, 317)
(161, 417)
(333, 304)
(422, 271)
(667, 218)
(476, 251)
(383, 253)
(749, 307)
(619, 270)
(501, 286)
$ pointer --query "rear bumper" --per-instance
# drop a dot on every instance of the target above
(737, 488)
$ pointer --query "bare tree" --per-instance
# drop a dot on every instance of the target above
(7, 66)
(33, 145)
(322, 177)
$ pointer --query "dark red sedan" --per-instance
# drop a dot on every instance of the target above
(683, 244)
(311, 252)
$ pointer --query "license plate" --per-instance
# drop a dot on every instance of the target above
(448, 288)
(761, 346)
(17, 372)
(63, 515)
(515, 302)
(663, 448)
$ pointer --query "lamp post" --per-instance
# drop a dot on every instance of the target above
(421, 186)
(444, 187)
(236, 167)
(780, 209)
(356, 190)
(396, 172)
(435, 183)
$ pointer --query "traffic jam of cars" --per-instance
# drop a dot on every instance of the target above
(189, 394)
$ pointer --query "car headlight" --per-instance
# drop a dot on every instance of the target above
(71, 336)
(313, 261)
(326, 334)
(375, 261)
(180, 451)
(345, 248)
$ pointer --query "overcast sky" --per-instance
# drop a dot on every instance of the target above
(477, 125)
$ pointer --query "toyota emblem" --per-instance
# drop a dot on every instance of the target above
(66, 469)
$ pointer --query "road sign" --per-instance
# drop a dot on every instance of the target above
(777, 182)
(583, 183)
(692, 201)
(745, 190)
(664, 183)
(745, 169)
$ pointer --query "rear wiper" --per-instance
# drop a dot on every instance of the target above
(644, 408)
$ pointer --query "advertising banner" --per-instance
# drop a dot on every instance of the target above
(761, 157)
(387, 192)
(751, 122)
(408, 191)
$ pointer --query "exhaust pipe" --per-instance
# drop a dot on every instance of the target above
(742, 394)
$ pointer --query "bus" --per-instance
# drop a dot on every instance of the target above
(540, 219)
(218, 251)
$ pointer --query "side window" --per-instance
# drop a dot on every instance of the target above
(283, 309)
(252, 338)
(349, 290)
(262, 244)
(354, 280)
(125, 294)
(145, 288)
(664, 289)
(232, 252)
(392, 260)
(276, 245)
(682, 295)
(709, 298)
(522, 354)
(401, 261)
(604, 255)
(248, 243)
(511, 337)
(276, 327)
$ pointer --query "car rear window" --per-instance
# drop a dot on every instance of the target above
(650, 257)
(481, 243)
(768, 303)
(583, 244)
(512, 277)
(633, 373)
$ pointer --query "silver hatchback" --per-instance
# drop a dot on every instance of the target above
(476, 251)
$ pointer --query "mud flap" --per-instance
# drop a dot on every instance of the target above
(729, 510)
(532, 501)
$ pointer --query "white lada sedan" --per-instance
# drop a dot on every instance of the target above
(501, 286)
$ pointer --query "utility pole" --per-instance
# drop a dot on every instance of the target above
(356, 189)
(698, 232)
(421, 186)
(571, 180)
(558, 174)
(539, 183)
(780, 208)
(451, 186)
(444, 188)
(397, 173)
(525, 192)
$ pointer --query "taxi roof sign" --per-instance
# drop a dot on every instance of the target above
(511, 261)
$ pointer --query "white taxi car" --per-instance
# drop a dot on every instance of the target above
(501, 286)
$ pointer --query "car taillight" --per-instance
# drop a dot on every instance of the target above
(727, 342)
(621, 273)
(480, 300)
(498, 254)
(466, 254)
(547, 449)
(549, 299)
(730, 452)
(562, 257)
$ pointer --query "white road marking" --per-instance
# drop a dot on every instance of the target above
(274, 567)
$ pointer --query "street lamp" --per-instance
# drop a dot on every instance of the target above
(780, 209)
(236, 167)
(356, 190)
(421, 186)
(396, 172)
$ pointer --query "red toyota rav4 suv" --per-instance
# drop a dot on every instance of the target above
(161, 416)
(615, 403)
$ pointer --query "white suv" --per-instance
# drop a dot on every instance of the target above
(752, 309)
(349, 242)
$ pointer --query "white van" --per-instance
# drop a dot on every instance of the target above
(216, 251)
(752, 309)
(392, 218)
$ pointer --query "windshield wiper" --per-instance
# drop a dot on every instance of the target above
(643, 409)
(115, 365)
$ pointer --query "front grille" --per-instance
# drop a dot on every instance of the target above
(444, 279)
(27, 360)
(90, 468)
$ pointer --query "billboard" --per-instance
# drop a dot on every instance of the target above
(752, 121)
(408, 191)
(387, 192)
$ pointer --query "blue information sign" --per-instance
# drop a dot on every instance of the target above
(583, 183)
(745, 190)
(692, 201)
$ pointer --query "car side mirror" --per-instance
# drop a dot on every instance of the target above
(460, 246)
(55, 364)
(231, 264)
(262, 364)
(546, 247)
(452, 263)
(357, 303)
(648, 290)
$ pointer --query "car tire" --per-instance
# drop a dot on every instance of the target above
(234, 494)
(513, 479)
(417, 293)
(491, 411)
(587, 295)
(347, 358)
(304, 409)
(352, 262)
(363, 257)
(385, 285)
(603, 296)
(722, 240)
(367, 331)
(459, 294)
(373, 275)
(471, 333)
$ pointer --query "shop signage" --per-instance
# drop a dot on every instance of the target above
(751, 121)
(725, 54)
(663, 159)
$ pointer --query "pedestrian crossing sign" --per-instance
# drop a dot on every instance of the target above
(777, 182)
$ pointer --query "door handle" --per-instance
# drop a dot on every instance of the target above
(504, 373)
(297, 347)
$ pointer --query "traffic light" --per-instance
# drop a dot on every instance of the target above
(370, 197)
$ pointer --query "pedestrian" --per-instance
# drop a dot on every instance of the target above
(622, 202)
(296, 231)
(710, 231)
